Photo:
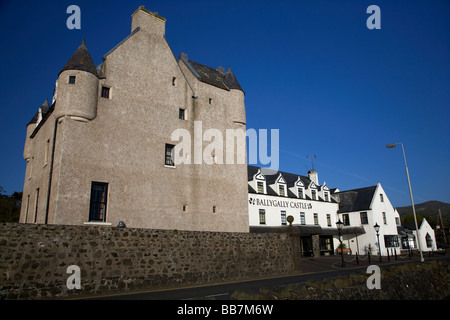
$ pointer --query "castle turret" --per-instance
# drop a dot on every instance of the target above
(78, 87)
(238, 106)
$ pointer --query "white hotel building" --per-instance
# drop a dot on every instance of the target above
(273, 196)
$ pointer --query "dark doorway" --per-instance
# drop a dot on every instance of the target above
(307, 247)
(326, 245)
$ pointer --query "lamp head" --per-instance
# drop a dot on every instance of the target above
(389, 146)
(377, 227)
(339, 224)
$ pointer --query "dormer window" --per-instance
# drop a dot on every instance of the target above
(326, 196)
(260, 185)
(281, 190)
(314, 194)
(300, 193)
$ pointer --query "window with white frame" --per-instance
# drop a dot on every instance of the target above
(313, 194)
(316, 219)
(300, 193)
(260, 186)
(281, 190)
(364, 219)
(302, 218)
(262, 216)
(346, 219)
(283, 218)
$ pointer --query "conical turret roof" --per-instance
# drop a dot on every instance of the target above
(81, 60)
(230, 80)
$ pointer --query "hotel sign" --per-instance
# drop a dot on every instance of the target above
(279, 203)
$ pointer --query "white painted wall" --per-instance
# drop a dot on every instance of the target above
(374, 215)
(425, 229)
(273, 206)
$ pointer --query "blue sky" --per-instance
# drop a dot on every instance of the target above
(311, 69)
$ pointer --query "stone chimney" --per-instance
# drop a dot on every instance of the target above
(313, 176)
(148, 21)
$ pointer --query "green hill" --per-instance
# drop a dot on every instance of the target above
(428, 210)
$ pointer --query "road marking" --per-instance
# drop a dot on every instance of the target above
(217, 295)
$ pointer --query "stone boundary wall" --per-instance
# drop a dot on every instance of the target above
(34, 258)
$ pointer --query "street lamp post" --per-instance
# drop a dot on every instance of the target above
(410, 194)
(339, 226)
(377, 229)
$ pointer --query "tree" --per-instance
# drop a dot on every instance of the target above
(10, 206)
(410, 219)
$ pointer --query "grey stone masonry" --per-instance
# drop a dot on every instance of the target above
(34, 258)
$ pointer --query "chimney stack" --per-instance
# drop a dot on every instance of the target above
(148, 21)
(313, 176)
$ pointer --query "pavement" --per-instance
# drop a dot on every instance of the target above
(333, 263)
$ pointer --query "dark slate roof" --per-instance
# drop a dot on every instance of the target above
(81, 60)
(45, 117)
(290, 178)
(215, 77)
(230, 80)
(356, 199)
(45, 108)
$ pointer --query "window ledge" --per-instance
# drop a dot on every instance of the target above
(92, 223)
(173, 167)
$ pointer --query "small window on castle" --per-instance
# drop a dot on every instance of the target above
(182, 114)
(105, 92)
(210, 100)
(381, 197)
(72, 79)
(185, 207)
(170, 155)
(99, 195)
(47, 152)
(214, 209)
(174, 81)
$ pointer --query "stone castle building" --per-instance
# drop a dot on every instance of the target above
(102, 153)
